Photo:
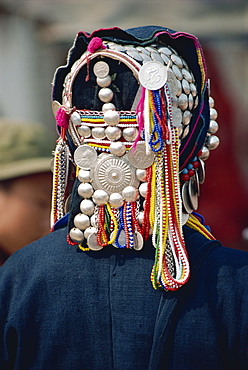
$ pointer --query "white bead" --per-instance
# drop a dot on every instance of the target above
(117, 148)
(108, 106)
(84, 131)
(104, 82)
(76, 235)
(87, 207)
(85, 190)
(100, 197)
(116, 200)
(130, 133)
(111, 117)
(98, 132)
(141, 174)
(81, 221)
(84, 176)
(130, 194)
(105, 94)
(143, 189)
(75, 118)
(113, 133)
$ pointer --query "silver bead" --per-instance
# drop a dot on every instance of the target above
(98, 133)
(205, 153)
(141, 174)
(100, 197)
(113, 133)
(213, 127)
(130, 194)
(211, 102)
(213, 142)
(177, 72)
(177, 60)
(105, 94)
(108, 106)
(130, 133)
(191, 101)
(213, 114)
(143, 189)
(87, 207)
(76, 235)
(84, 131)
(193, 89)
(140, 217)
(88, 231)
(179, 88)
(104, 82)
(93, 220)
(116, 200)
(186, 87)
(84, 176)
(81, 221)
(186, 74)
(185, 132)
(75, 118)
(117, 148)
(111, 117)
(186, 118)
(85, 190)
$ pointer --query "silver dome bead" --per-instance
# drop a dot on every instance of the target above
(213, 127)
(93, 220)
(186, 118)
(141, 174)
(105, 94)
(89, 231)
(130, 194)
(87, 207)
(213, 114)
(205, 153)
(81, 221)
(140, 217)
(111, 117)
(75, 118)
(84, 131)
(76, 234)
(84, 176)
(185, 132)
(98, 133)
(85, 190)
(113, 133)
(104, 82)
(130, 133)
(100, 197)
(211, 102)
(191, 101)
(143, 189)
(108, 106)
(186, 87)
(183, 102)
(117, 148)
(213, 142)
(116, 200)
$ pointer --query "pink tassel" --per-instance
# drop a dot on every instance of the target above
(62, 118)
(95, 44)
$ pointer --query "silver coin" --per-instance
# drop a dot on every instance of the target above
(176, 116)
(113, 174)
(101, 69)
(201, 171)
(92, 242)
(193, 196)
(138, 158)
(172, 83)
(121, 239)
(85, 156)
(138, 241)
(153, 75)
(185, 198)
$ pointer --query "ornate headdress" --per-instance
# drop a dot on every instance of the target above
(135, 125)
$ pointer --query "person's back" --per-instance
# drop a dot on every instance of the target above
(130, 278)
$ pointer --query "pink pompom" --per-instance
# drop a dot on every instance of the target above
(62, 118)
(95, 44)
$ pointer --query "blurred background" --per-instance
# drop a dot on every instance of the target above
(34, 40)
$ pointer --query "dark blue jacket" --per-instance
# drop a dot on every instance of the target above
(64, 309)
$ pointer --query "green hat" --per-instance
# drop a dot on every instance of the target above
(25, 148)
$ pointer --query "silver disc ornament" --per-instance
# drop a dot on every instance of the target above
(85, 156)
(113, 174)
(153, 75)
